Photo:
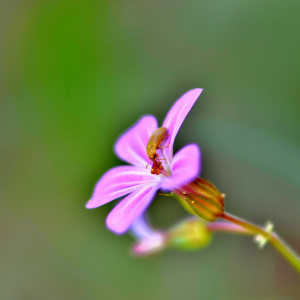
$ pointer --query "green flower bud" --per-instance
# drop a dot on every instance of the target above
(190, 234)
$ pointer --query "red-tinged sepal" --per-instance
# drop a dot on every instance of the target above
(202, 199)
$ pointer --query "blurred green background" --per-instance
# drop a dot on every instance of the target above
(75, 74)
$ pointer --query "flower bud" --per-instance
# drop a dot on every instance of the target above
(260, 240)
(202, 199)
(190, 234)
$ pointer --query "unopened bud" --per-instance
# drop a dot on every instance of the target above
(203, 199)
(190, 234)
(260, 240)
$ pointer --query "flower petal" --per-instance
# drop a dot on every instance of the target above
(131, 145)
(186, 166)
(176, 116)
(148, 239)
(130, 208)
(141, 229)
(118, 182)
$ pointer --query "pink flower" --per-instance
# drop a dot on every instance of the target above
(148, 240)
(137, 180)
(190, 234)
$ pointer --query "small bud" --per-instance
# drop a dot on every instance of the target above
(190, 234)
(260, 240)
(203, 199)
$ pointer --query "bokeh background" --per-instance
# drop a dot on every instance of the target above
(75, 74)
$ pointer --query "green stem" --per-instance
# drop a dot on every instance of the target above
(287, 252)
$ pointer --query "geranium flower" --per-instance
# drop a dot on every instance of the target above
(137, 180)
(189, 234)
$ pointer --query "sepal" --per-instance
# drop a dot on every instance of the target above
(202, 199)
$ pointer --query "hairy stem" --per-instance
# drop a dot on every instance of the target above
(221, 226)
(286, 251)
